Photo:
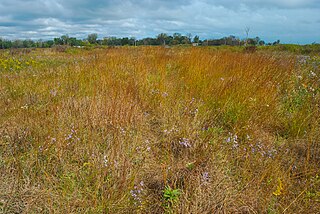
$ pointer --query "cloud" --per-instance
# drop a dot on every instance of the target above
(288, 20)
(282, 4)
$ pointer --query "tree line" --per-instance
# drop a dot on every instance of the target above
(161, 39)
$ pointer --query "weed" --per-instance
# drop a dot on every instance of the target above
(171, 197)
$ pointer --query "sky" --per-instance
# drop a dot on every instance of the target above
(291, 21)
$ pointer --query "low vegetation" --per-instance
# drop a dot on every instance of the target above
(159, 130)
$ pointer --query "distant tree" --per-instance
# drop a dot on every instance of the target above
(257, 40)
(125, 41)
(276, 42)
(105, 41)
(189, 36)
(5, 44)
(177, 36)
(262, 43)
(58, 41)
(17, 44)
(39, 43)
(174, 42)
(162, 38)
(49, 44)
(65, 39)
(231, 40)
(150, 41)
(74, 42)
(133, 41)
(146, 41)
(251, 41)
(179, 39)
(28, 43)
(112, 41)
(185, 40)
(196, 39)
(92, 38)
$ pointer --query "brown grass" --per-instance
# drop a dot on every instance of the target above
(106, 131)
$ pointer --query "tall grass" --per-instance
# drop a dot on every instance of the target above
(122, 130)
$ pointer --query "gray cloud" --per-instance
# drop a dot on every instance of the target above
(294, 21)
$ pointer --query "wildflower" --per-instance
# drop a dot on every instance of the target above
(253, 150)
(137, 192)
(68, 137)
(40, 148)
(73, 130)
(116, 164)
(233, 139)
(205, 177)
(154, 91)
(165, 94)
(235, 145)
(228, 140)
(193, 113)
(294, 167)
(122, 131)
(53, 92)
(311, 89)
(312, 74)
(105, 161)
(185, 142)
(279, 190)
(173, 129)
(25, 106)
(252, 99)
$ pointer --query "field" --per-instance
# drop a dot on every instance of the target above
(159, 130)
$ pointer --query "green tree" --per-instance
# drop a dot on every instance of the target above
(162, 38)
(189, 36)
(65, 39)
(58, 41)
(196, 39)
(17, 44)
(262, 43)
(28, 43)
(92, 38)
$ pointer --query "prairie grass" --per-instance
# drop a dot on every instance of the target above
(159, 130)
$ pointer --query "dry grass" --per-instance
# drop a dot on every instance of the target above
(106, 131)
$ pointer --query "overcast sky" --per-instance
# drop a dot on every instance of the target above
(291, 21)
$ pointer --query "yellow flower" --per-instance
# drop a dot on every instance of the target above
(86, 164)
(279, 190)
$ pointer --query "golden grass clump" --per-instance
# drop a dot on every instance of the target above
(159, 130)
